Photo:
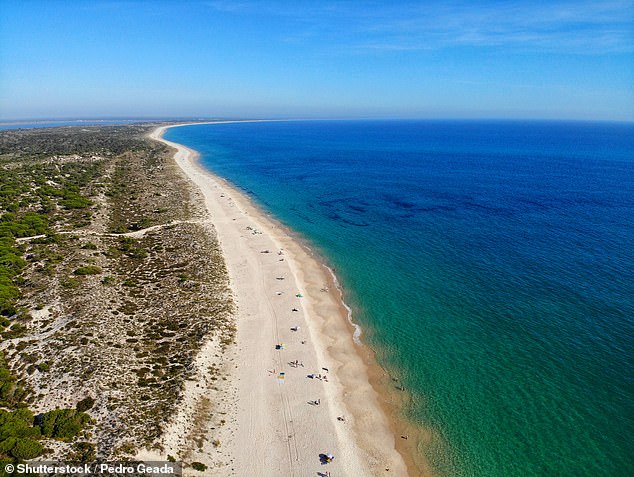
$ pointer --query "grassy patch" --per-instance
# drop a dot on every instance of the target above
(88, 270)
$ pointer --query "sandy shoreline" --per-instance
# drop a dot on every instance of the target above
(279, 429)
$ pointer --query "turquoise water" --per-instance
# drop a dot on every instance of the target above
(490, 264)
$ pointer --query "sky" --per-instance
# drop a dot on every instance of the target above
(317, 59)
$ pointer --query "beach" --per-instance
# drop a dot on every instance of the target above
(300, 387)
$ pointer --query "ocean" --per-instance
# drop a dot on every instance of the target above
(490, 265)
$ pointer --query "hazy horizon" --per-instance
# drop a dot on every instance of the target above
(95, 119)
(405, 60)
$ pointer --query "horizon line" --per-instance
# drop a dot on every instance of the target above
(79, 119)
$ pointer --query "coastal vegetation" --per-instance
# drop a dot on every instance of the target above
(199, 466)
(108, 289)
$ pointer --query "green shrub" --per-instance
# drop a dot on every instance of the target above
(63, 424)
(72, 200)
(11, 392)
(141, 224)
(12, 261)
(17, 330)
(88, 270)
(84, 452)
(199, 466)
(71, 283)
(85, 404)
(8, 294)
(30, 224)
(17, 424)
(8, 444)
(130, 247)
(44, 366)
(3, 463)
(26, 449)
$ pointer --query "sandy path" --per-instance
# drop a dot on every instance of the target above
(279, 430)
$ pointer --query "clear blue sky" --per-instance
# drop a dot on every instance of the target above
(462, 59)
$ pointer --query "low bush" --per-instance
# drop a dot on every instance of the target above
(11, 392)
(88, 270)
(63, 424)
(84, 452)
(85, 404)
(25, 449)
(199, 466)
(70, 282)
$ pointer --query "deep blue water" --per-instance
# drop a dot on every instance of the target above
(490, 264)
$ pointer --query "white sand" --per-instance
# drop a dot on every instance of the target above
(273, 429)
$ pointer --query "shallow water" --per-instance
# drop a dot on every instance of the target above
(490, 264)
